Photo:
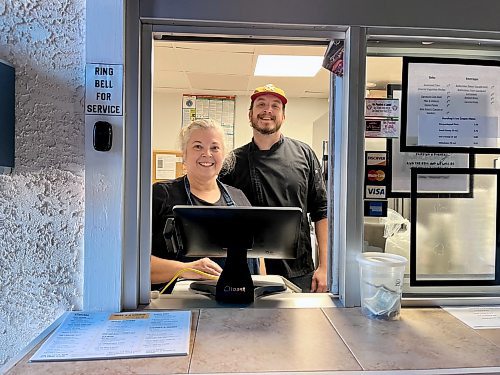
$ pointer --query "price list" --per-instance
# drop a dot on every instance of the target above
(453, 105)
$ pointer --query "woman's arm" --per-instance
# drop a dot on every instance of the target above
(163, 270)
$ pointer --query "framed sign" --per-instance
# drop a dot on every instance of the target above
(450, 105)
(455, 242)
(399, 173)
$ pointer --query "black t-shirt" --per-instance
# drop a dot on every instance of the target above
(287, 175)
(166, 195)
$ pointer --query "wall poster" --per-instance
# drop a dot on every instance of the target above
(218, 108)
(450, 105)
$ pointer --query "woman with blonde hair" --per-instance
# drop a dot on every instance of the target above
(203, 149)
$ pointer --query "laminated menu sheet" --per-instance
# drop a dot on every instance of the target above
(102, 335)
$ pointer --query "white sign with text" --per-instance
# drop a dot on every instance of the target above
(453, 105)
(104, 89)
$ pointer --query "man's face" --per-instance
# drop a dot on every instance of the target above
(267, 115)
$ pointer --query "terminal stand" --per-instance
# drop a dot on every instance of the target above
(235, 284)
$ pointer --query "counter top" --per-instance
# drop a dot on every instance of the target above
(329, 339)
(189, 301)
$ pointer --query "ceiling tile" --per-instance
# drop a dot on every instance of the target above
(217, 82)
(197, 61)
(174, 80)
(227, 69)
(166, 59)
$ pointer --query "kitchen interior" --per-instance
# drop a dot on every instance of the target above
(229, 69)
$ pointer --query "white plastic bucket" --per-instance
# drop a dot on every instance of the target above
(381, 284)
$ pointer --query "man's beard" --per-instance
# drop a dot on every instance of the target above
(265, 130)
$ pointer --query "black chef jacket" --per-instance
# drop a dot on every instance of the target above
(287, 175)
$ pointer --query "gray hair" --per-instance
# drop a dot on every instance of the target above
(206, 124)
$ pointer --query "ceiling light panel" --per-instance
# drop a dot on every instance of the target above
(287, 66)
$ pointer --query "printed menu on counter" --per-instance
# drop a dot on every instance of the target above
(101, 335)
(477, 317)
(452, 103)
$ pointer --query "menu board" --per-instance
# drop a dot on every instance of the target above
(451, 104)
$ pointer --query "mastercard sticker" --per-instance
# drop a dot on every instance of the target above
(376, 175)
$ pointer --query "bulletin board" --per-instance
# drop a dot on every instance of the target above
(167, 165)
(218, 108)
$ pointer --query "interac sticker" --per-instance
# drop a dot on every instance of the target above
(104, 89)
(375, 208)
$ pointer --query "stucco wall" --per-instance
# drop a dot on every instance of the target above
(42, 202)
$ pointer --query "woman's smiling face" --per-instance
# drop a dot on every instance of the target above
(204, 153)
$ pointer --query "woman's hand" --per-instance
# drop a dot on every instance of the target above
(163, 270)
(206, 265)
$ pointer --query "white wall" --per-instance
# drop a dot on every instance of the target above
(42, 202)
(300, 116)
(104, 171)
(321, 128)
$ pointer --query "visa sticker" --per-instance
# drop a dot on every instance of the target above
(373, 191)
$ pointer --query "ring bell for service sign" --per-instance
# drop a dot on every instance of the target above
(104, 89)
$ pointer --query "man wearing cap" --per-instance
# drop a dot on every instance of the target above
(274, 170)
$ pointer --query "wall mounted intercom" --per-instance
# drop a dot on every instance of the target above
(103, 136)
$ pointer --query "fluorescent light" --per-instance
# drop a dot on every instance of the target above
(287, 66)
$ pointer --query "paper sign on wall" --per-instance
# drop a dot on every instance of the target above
(381, 128)
(104, 89)
(381, 107)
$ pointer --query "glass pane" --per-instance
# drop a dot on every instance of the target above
(456, 238)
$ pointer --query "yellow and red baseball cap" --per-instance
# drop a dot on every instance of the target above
(269, 89)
